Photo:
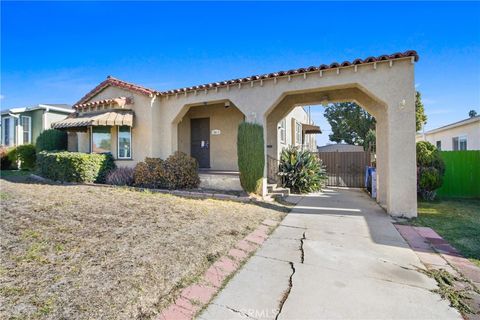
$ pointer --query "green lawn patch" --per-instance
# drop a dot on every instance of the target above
(457, 221)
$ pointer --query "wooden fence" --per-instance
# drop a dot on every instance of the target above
(345, 169)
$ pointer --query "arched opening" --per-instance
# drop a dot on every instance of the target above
(318, 98)
(208, 132)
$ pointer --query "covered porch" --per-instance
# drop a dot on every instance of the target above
(208, 133)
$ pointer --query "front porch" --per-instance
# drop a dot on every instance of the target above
(208, 133)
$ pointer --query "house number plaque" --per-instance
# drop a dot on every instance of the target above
(216, 132)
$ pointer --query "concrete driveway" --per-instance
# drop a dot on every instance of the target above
(337, 255)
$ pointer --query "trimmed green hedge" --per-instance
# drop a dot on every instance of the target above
(74, 166)
(52, 140)
(251, 156)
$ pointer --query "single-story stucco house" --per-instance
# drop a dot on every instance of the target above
(134, 122)
(23, 125)
(460, 135)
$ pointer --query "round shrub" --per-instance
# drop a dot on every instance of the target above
(301, 170)
(26, 154)
(250, 155)
(179, 171)
(52, 140)
(430, 170)
(150, 174)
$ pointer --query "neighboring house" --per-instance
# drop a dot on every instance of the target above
(23, 125)
(297, 129)
(340, 147)
(461, 135)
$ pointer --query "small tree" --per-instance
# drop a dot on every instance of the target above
(430, 170)
(420, 116)
(472, 113)
(52, 140)
(251, 156)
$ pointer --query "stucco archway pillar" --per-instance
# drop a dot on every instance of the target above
(401, 178)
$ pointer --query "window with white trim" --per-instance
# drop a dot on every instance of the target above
(26, 123)
(283, 130)
(6, 131)
(298, 132)
(459, 143)
(124, 137)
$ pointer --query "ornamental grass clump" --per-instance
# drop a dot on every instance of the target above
(251, 156)
(430, 170)
(301, 170)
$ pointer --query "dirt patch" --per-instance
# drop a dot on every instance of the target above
(86, 252)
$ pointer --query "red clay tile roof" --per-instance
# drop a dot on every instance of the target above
(333, 65)
(150, 92)
(111, 81)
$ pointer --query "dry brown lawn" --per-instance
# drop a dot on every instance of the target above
(86, 252)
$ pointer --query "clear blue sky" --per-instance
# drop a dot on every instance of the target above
(56, 52)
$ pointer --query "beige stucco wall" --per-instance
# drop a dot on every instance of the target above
(223, 147)
(470, 130)
(141, 130)
(386, 90)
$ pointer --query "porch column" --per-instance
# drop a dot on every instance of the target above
(401, 165)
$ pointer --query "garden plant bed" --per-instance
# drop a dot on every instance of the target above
(84, 252)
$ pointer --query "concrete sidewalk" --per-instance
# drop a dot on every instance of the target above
(337, 255)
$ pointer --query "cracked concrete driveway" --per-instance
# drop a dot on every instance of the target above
(337, 255)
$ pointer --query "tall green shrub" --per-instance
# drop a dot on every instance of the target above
(430, 170)
(301, 170)
(251, 155)
(52, 140)
(74, 166)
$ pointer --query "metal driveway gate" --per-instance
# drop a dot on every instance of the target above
(345, 169)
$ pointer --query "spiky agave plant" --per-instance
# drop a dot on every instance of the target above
(301, 170)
